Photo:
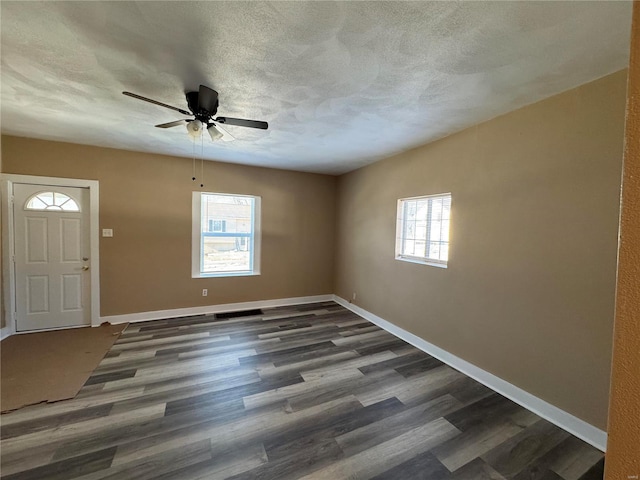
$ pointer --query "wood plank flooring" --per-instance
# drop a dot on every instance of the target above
(304, 392)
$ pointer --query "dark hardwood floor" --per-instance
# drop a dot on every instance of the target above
(311, 391)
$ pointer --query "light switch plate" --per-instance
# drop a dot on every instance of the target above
(107, 232)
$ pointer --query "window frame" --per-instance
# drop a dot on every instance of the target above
(197, 242)
(401, 237)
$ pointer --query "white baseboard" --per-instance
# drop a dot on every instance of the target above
(209, 309)
(570, 423)
(6, 332)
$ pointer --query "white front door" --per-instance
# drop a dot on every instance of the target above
(51, 235)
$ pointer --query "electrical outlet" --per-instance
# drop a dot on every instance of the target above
(205, 292)
(353, 297)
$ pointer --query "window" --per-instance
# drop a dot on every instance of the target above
(55, 201)
(422, 230)
(226, 235)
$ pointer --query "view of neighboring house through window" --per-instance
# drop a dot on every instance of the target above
(423, 229)
(217, 225)
(226, 240)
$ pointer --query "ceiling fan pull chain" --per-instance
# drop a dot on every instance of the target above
(201, 161)
(194, 161)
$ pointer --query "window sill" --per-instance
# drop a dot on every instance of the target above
(225, 274)
(422, 261)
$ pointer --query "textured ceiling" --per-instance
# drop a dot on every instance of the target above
(341, 84)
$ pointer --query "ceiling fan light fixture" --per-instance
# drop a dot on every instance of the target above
(194, 128)
(214, 133)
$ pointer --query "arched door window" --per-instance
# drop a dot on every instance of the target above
(55, 201)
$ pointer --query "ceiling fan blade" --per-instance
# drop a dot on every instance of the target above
(155, 102)
(172, 124)
(226, 136)
(242, 123)
(207, 99)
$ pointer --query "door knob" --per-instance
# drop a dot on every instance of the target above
(85, 267)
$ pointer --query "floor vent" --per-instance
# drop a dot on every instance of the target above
(242, 313)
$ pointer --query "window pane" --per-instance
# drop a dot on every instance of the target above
(411, 210)
(225, 254)
(444, 235)
(36, 204)
(410, 230)
(436, 228)
(59, 199)
(46, 197)
(70, 206)
(436, 207)
(421, 209)
(434, 250)
(228, 213)
(409, 247)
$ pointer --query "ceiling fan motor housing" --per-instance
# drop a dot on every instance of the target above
(201, 114)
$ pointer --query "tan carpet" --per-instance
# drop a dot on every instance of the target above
(51, 366)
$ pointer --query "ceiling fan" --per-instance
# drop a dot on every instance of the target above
(203, 105)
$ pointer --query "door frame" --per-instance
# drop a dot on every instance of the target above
(7, 181)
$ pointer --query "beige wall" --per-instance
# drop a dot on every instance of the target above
(623, 449)
(529, 292)
(2, 320)
(146, 200)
